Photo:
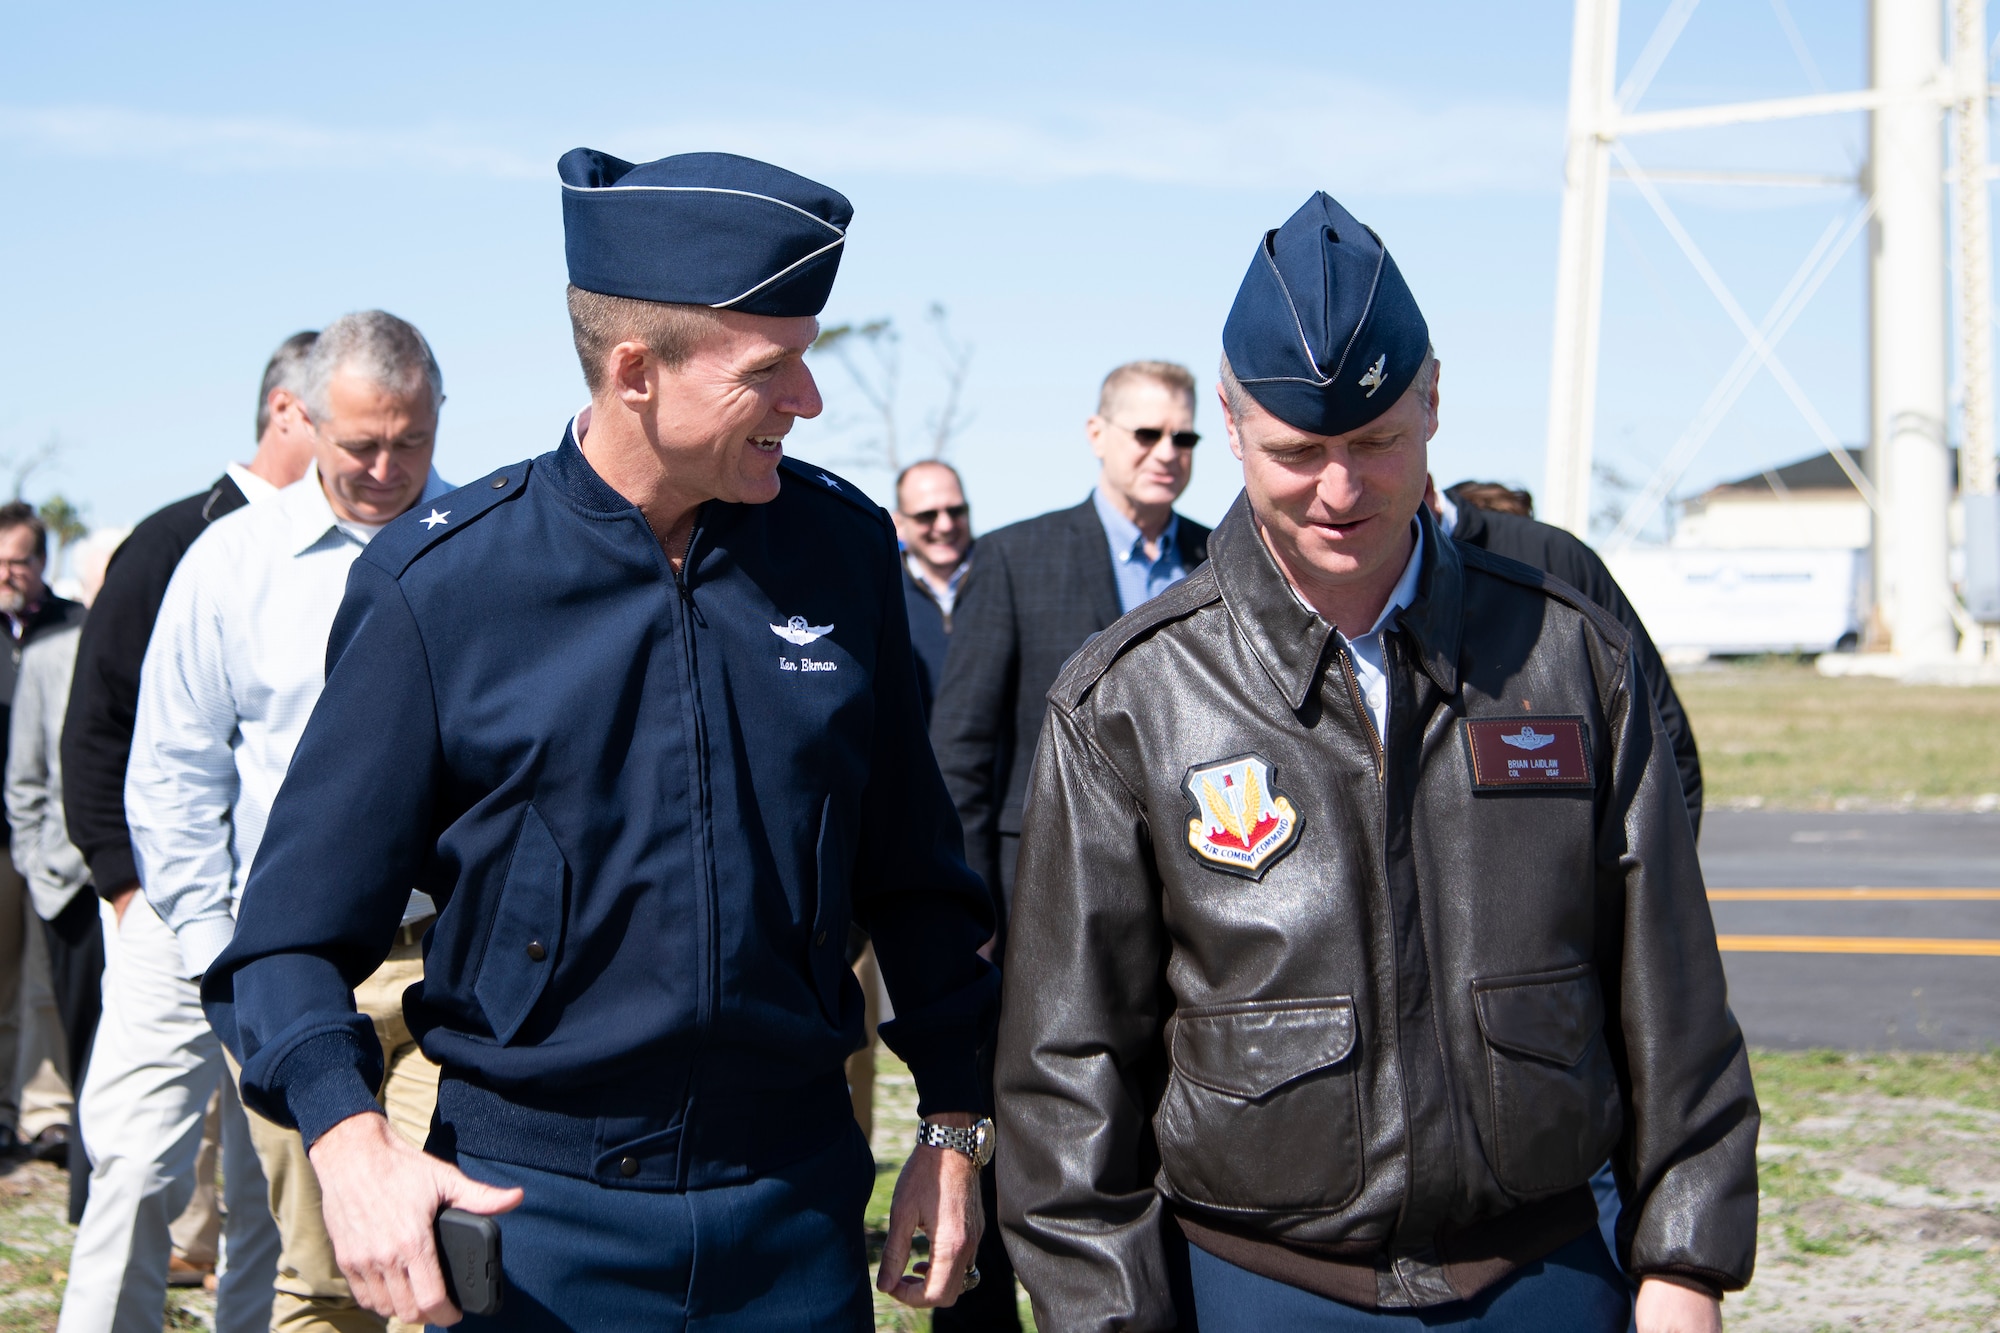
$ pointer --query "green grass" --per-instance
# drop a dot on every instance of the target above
(1793, 1084)
(1776, 733)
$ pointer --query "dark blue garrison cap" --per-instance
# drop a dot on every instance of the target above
(708, 229)
(1324, 333)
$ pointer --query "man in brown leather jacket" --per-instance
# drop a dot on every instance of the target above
(1360, 917)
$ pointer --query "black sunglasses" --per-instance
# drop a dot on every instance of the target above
(923, 518)
(1150, 436)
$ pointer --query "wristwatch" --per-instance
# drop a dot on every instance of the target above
(976, 1143)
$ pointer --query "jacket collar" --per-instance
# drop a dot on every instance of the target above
(577, 479)
(1290, 639)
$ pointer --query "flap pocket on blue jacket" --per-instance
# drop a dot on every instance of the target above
(1252, 1050)
(1553, 1016)
(526, 940)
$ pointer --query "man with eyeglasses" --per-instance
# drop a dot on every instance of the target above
(30, 611)
(1039, 590)
(934, 526)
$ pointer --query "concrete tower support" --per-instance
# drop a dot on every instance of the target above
(1907, 277)
(1580, 265)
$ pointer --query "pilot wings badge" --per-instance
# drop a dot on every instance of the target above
(1242, 822)
(795, 630)
(1527, 738)
(1376, 374)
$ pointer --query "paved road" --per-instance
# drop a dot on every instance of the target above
(1859, 971)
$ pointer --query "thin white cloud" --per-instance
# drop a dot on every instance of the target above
(1350, 134)
(251, 143)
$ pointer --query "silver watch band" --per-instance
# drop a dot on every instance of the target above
(944, 1136)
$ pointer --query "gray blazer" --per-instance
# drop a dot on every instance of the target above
(43, 854)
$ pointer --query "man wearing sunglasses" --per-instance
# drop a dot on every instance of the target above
(1039, 590)
(934, 527)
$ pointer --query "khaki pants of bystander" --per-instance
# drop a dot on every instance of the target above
(312, 1296)
(861, 1064)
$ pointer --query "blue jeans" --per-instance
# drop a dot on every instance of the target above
(784, 1251)
(1578, 1289)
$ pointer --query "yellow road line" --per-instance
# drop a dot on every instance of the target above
(1855, 944)
(1853, 895)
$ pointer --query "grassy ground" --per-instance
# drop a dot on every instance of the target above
(1776, 734)
(1880, 1184)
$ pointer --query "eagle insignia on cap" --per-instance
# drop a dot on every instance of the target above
(1373, 379)
(1241, 822)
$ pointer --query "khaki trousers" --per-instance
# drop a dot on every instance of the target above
(311, 1296)
(861, 1064)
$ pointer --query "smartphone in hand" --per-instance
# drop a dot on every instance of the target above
(468, 1246)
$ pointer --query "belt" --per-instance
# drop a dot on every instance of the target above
(413, 933)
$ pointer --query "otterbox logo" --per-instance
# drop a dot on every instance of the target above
(1241, 822)
(1516, 752)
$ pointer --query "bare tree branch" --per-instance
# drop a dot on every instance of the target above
(949, 421)
(877, 381)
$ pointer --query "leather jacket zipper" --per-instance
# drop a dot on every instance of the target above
(1361, 707)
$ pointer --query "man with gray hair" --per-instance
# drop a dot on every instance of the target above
(96, 742)
(235, 666)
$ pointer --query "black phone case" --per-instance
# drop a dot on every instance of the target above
(468, 1248)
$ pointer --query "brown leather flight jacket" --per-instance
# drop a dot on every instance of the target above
(1356, 996)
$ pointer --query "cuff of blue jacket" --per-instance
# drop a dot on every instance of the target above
(321, 1083)
(950, 1084)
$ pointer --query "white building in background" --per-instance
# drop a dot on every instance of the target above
(1775, 562)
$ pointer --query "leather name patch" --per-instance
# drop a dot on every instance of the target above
(1527, 752)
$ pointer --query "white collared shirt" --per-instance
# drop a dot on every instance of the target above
(255, 489)
(236, 663)
(1369, 665)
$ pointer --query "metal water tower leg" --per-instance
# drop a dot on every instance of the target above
(1907, 300)
(1972, 234)
(1565, 497)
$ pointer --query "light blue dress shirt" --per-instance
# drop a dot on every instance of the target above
(1139, 579)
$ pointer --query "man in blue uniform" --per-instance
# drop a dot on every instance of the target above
(640, 715)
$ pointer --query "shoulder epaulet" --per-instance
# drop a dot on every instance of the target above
(396, 547)
(1516, 571)
(819, 479)
(1091, 661)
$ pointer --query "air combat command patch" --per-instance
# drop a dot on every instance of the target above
(1241, 822)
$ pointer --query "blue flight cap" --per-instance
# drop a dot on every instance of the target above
(709, 229)
(1324, 333)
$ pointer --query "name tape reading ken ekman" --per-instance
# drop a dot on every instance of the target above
(1242, 822)
(1508, 752)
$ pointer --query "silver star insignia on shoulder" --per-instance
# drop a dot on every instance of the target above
(434, 518)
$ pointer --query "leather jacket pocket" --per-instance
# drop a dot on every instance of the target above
(1555, 1107)
(525, 943)
(1261, 1111)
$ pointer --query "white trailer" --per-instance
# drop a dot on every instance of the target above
(1719, 603)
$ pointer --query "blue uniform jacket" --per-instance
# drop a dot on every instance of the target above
(647, 808)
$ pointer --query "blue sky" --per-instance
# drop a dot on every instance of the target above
(1079, 185)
